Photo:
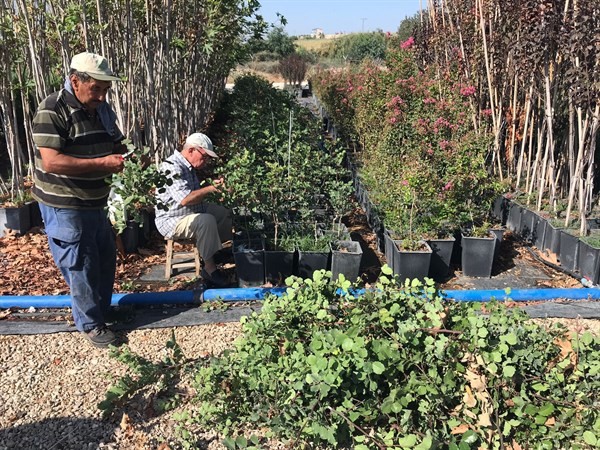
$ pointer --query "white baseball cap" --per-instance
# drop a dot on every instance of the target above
(202, 141)
(96, 66)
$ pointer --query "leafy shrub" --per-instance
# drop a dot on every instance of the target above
(399, 366)
(357, 47)
(422, 159)
(276, 161)
(330, 364)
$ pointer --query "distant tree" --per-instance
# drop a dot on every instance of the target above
(278, 41)
(409, 25)
(360, 46)
(293, 69)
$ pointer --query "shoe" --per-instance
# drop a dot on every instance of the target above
(215, 279)
(101, 336)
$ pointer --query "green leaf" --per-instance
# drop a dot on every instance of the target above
(348, 344)
(546, 410)
(590, 438)
(496, 356)
(510, 338)
(408, 441)
(587, 338)
(241, 442)
(540, 387)
(378, 367)
(229, 443)
(508, 371)
(322, 314)
(425, 444)
(469, 437)
(386, 270)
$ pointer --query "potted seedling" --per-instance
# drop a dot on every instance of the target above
(133, 196)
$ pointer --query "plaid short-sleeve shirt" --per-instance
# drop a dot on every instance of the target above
(184, 182)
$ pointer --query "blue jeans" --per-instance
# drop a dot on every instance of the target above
(82, 244)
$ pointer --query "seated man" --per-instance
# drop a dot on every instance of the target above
(188, 215)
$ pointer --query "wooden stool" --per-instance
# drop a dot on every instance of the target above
(170, 264)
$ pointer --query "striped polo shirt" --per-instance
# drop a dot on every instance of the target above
(62, 124)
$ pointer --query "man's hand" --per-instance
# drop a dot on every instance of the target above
(113, 163)
(219, 184)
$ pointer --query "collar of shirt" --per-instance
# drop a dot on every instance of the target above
(178, 157)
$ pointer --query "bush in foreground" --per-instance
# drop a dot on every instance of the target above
(397, 366)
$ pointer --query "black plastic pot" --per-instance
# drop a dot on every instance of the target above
(478, 255)
(439, 266)
(379, 231)
(35, 215)
(146, 228)
(499, 235)
(513, 220)
(15, 218)
(388, 246)
(589, 262)
(526, 224)
(409, 264)
(569, 250)
(130, 237)
(345, 259)
(366, 204)
(279, 264)
(500, 209)
(552, 238)
(249, 258)
(309, 261)
(593, 223)
(539, 231)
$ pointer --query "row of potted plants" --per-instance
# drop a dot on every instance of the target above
(286, 185)
(576, 253)
(260, 258)
(474, 248)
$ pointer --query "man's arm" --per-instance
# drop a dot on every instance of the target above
(55, 162)
(197, 196)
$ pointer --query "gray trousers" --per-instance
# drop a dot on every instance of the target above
(208, 229)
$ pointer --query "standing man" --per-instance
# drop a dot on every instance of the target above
(188, 215)
(78, 146)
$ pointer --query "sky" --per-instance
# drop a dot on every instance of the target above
(333, 16)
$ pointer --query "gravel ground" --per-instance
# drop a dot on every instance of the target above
(50, 386)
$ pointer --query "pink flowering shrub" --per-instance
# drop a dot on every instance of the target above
(422, 157)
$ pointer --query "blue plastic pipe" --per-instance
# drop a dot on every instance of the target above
(64, 301)
(252, 294)
(523, 295)
(144, 298)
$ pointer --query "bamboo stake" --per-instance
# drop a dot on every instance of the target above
(529, 183)
(493, 107)
(40, 81)
(525, 131)
(510, 152)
